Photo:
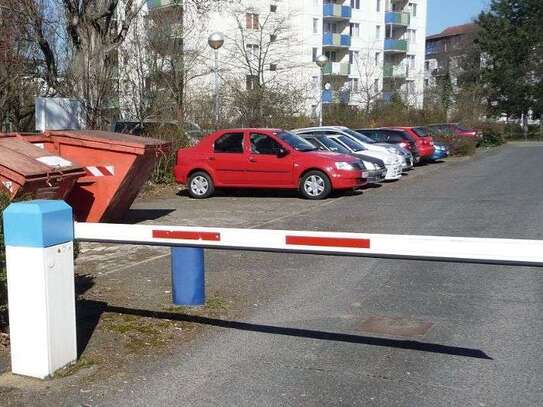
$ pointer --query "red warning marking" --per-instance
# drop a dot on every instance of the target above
(185, 235)
(328, 242)
(105, 171)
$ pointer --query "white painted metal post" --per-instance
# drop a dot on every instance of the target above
(41, 297)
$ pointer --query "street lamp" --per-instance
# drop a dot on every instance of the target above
(215, 41)
(321, 61)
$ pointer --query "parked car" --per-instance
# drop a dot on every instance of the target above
(375, 167)
(397, 153)
(392, 161)
(191, 130)
(393, 136)
(454, 129)
(265, 158)
(423, 140)
(441, 151)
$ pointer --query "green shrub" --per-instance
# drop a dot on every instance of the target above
(458, 146)
(176, 137)
(493, 134)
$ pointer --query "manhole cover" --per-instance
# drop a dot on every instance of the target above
(396, 326)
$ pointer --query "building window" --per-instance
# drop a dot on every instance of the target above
(273, 8)
(273, 67)
(377, 58)
(315, 26)
(355, 30)
(330, 28)
(426, 83)
(376, 86)
(378, 32)
(252, 50)
(413, 7)
(353, 57)
(315, 51)
(331, 55)
(378, 6)
(251, 82)
(412, 36)
(354, 85)
(273, 37)
(355, 4)
(251, 21)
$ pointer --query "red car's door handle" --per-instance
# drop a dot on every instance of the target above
(253, 160)
(211, 158)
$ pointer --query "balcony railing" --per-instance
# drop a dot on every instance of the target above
(163, 3)
(391, 71)
(336, 68)
(399, 46)
(337, 11)
(336, 40)
(329, 96)
(397, 18)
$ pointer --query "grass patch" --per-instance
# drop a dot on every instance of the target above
(139, 333)
(82, 363)
(214, 305)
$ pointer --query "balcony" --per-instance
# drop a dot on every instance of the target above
(336, 40)
(395, 46)
(336, 12)
(397, 18)
(387, 96)
(163, 3)
(329, 96)
(336, 68)
(392, 71)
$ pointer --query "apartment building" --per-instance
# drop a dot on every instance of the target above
(446, 53)
(375, 48)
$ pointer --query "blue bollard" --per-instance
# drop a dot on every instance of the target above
(188, 276)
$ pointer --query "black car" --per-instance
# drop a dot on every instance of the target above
(376, 168)
(391, 136)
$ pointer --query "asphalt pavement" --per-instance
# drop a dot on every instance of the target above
(335, 331)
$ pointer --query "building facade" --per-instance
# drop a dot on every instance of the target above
(446, 52)
(375, 48)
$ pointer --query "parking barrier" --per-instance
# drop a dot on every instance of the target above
(39, 252)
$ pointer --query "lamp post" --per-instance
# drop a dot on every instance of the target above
(216, 41)
(321, 61)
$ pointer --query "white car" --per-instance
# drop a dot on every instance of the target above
(393, 162)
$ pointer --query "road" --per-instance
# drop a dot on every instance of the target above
(306, 337)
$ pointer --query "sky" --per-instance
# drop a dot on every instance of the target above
(444, 13)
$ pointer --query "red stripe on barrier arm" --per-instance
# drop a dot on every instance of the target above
(328, 242)
(185, 235)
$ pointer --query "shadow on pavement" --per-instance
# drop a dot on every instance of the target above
(141, 215)
(94, 309)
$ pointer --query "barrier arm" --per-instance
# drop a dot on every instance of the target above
(433, 248)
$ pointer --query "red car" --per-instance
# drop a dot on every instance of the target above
(423, 139)
(265, 158)
(454, 129)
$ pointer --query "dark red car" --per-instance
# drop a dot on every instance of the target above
(423, 140)
(265, 158)
(453, 129)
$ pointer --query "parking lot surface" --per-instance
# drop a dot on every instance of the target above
(336, 331)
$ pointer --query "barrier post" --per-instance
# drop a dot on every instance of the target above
(188, 276)
(41, 297)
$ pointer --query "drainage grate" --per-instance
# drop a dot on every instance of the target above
(396, 326)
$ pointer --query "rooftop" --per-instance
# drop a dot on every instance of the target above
(454, 30)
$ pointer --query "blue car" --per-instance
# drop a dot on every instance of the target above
(441, 151)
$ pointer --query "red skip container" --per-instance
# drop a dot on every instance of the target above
(117, 166)
(26, 170)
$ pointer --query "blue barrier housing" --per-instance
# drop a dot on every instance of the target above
(39, 223)
(188, 276)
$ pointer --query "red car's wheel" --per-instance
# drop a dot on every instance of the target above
(315, 185)
(200, 185)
